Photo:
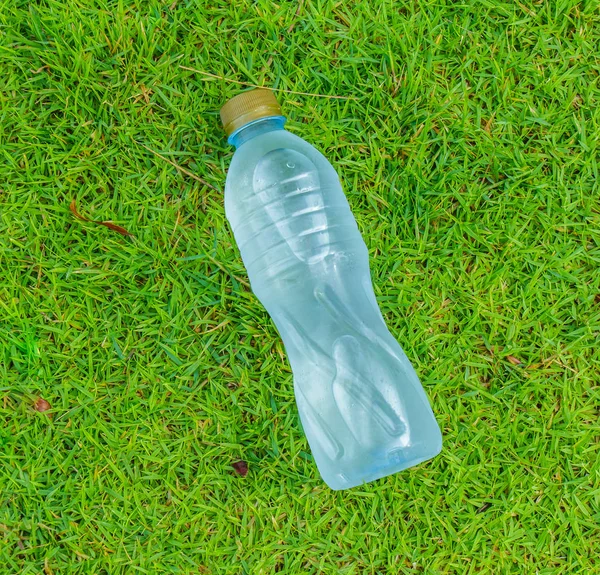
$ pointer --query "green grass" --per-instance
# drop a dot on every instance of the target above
(469, 154)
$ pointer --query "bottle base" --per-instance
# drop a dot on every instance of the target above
(381, 466)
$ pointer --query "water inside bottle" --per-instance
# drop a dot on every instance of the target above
(362, 406)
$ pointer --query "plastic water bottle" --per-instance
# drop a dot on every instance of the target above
(361, 404)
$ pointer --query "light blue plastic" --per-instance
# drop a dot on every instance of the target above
(362, 407)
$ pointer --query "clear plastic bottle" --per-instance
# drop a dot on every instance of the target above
(362, 407)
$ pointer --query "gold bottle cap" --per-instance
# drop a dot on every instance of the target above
(247, 107)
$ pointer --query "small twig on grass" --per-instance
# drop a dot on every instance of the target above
(249, 85)
(178, 167)
(224, 269)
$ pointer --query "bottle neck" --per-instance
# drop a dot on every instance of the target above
(255, 128)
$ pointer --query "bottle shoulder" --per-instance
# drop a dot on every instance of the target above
(249, 154)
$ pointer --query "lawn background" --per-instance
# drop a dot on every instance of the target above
(467, 143)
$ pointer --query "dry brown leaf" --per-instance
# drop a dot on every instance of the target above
(514, 360)
(241, 468)
(73, 208)
(119, 229)
(114, 227)
(41, 405)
